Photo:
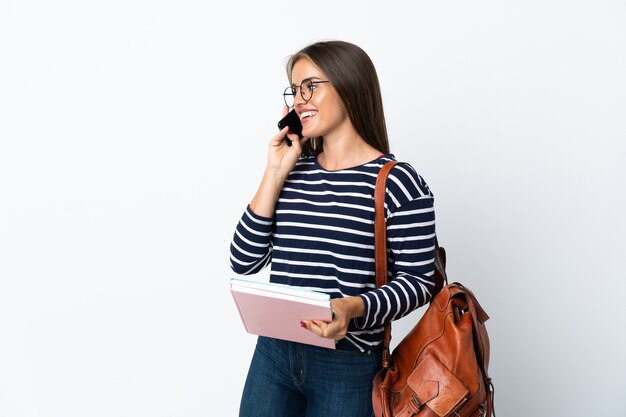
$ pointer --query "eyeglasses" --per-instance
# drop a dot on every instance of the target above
(306, 91)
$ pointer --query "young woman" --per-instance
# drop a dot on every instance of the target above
(312, 218)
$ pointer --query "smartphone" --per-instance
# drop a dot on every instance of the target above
(293, 121)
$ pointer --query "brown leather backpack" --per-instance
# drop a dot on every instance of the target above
(440, 368)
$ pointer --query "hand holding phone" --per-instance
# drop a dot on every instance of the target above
(293, 121)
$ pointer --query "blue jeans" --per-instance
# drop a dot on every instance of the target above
(288, 379)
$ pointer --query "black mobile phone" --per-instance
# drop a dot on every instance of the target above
(293, 121)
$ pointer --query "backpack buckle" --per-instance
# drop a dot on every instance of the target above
(483, 411)
(416, 402)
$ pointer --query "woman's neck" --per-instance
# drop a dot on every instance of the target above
(345, 152)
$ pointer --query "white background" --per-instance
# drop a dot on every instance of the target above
(134, 133)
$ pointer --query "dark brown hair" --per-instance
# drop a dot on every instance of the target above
(352, 73)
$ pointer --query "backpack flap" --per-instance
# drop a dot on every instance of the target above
(436, 387)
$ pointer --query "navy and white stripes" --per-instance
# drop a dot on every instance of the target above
(322, 238)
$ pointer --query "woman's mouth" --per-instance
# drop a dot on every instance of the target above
(305, 116)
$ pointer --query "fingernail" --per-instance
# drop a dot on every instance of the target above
(289, 132)
(302, 324)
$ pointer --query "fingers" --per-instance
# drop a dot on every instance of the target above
(278, 139)
(330, 330)
(296, 142)
(293, 138)
(282, 132)
(315, 326)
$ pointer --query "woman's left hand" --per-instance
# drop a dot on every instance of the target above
(344, 310)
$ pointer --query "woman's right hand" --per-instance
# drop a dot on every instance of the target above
(280, 161)
(282, 157)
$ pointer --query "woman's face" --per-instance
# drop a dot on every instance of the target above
(324, 113)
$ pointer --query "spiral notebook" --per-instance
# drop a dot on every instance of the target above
(275, 310)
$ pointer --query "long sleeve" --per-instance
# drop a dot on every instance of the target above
(321, 238)
(251, 248)
(411, 245)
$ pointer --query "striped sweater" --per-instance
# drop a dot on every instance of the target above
(322, 238)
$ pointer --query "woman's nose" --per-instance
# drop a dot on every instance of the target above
(297, 98)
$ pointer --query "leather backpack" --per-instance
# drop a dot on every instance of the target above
(440, 367)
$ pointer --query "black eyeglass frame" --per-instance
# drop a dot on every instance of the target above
(291, 90)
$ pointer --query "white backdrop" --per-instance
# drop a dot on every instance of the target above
(133, 134)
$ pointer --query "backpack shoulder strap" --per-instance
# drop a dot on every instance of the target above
(380, 225)
(380, 245)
